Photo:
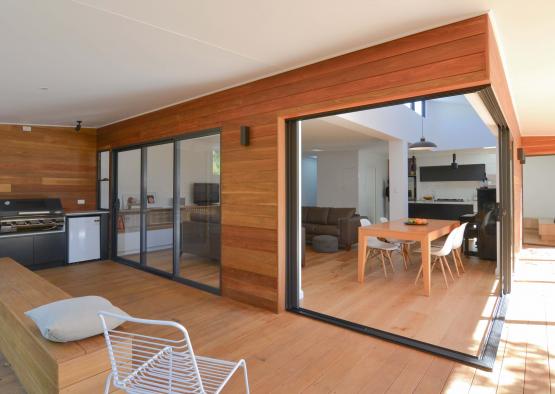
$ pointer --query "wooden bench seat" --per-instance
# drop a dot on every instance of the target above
(43, 366)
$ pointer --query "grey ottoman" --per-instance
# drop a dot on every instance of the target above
(325, 243)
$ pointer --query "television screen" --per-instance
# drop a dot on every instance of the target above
(206, 193)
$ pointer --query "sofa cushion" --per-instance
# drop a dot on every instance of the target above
(304, 214)
(325, 229)
(335, 214)
(317, 215)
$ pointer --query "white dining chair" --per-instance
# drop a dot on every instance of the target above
(404, 245)
(146, 364)
(375, 247)
(439, 254)
(457, 245)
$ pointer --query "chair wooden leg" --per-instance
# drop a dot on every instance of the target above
(404, 256)
(368, 253)
(418, 274)
(448, 267)
(383, 264)
(454, 255)
(443, 272)
(407, 252)
(388, 254)
(458, 251)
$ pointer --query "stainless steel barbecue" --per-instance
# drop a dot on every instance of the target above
(24, 216)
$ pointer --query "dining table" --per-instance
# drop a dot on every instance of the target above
(399, 229)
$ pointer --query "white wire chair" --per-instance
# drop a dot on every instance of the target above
(143, 364)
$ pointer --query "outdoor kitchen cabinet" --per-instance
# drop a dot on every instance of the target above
(35, 250)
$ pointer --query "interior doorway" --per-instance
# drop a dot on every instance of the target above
(356, 170)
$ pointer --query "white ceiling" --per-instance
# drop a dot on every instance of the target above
(327, 134)
(107, 60)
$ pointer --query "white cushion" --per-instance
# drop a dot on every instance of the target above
(73, 319)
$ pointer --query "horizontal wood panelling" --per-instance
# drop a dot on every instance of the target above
(539, 146)
(49, 162)
(449, 58)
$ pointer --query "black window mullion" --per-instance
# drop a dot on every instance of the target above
(143, 221)
(176, 208)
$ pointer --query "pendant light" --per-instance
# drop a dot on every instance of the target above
(423, 144)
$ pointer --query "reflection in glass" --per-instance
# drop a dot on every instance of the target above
(200, 210)
(128, 206)
(159, 207)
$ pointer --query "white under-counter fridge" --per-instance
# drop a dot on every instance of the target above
(83, 238)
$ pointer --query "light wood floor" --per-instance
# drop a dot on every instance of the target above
(288, 353)
(456, 317)
(531, 236)
(192, 267)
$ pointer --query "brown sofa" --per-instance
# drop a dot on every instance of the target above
(342, 223)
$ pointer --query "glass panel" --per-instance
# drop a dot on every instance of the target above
(200, 209)
(128, 207)
(104, 180)
(159, 203)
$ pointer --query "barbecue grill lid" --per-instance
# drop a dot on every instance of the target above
(30, 206)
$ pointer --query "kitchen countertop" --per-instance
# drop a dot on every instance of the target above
(84, 213)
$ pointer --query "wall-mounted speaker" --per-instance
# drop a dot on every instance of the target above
(521, 155)
(245, 135)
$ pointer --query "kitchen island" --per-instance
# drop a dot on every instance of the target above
(444, 210)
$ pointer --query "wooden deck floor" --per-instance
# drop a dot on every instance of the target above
(287, 353)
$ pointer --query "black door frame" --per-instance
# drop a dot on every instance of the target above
(175, 274)
(486, 358)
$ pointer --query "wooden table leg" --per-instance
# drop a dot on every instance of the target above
(426, 266)
(361, 256)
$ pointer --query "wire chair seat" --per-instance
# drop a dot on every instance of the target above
(143, 364)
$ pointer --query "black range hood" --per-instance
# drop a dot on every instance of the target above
(462, 172)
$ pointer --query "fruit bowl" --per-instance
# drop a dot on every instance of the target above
(416, 222)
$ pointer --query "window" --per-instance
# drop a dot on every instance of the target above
(216, 162)
(104, 180)
(417, 106)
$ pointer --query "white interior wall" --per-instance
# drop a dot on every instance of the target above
(309, 184)
(455, 125)
(196, 164)
(159, 170)
(373, 173)
(398, 180)
(338, 179)
(539, 187)
(129, 175)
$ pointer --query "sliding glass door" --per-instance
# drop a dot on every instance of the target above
(199, 182)
(159, 207)
(167, 208)
(128, 205)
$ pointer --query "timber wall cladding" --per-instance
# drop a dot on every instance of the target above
(539, 146)
(440, 60)
(49, 162)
